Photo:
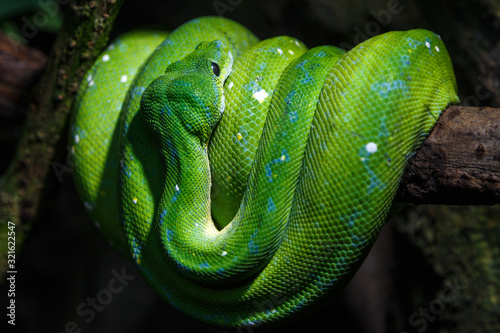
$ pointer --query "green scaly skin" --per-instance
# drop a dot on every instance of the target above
(254, 219)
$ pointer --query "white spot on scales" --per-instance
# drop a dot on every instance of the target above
(371, 147)
(105, 57)
(90, 80)
(123, 78)
(260, 95)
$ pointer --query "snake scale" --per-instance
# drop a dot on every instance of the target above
(248, 179)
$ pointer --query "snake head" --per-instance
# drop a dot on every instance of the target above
(190, 95)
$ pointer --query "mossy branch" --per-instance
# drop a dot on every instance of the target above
(29, 182)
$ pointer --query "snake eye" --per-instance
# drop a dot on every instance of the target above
(216, 69)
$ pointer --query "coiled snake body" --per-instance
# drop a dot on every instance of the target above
(249, 179)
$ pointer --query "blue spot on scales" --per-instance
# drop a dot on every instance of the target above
(125, 170)
(252, 246)
(170, 234)
(405, 59)
(302, 64)
(350, 219)
(373, 180)
(162, 216)
(165, 109)
(138, 91)
(413, 43)
(384, 88)
(176, 195)
(358, 242)
(285, 157)
(321, 54)
(136, 246)
(204, 265)
(307, 78)
(289, 97)
(270, 205)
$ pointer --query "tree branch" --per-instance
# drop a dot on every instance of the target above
(459, 163)
(28, 184)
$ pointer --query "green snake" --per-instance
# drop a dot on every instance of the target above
(248, 179)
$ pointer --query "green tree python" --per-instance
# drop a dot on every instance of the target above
(248, 179)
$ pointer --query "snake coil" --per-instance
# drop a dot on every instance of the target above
(248, 179)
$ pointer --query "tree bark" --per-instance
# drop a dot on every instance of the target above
(28, 184)
(459, 163)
